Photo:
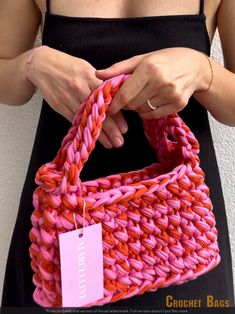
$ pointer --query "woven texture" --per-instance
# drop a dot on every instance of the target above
(158, 226)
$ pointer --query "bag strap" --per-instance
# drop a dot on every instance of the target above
(63, 172)
(170, 137)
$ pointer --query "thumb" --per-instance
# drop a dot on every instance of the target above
(123, 67)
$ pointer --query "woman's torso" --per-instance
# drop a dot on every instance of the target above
(82, 35)
(132, 8)
(96, 41)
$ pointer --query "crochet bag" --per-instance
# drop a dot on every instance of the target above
(158, 227)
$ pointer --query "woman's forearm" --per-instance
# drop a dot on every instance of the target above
(219, 100)
(14, 89)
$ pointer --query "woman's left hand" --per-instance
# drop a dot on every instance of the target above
(167, 78)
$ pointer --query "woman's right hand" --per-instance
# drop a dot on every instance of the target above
(64, 81)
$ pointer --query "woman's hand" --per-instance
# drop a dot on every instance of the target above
(166, 77)
(64, 82)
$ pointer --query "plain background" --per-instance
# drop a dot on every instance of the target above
(17, 132)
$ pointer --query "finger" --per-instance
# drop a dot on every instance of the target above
(129, 90)
(56, 104)
(68, 100)
(155, 102)
(155, 93)
(71, 102)
(113, 132)
(94, 83)
(80, 90)
(164, 105)
(123, 67)
(120, 121)
(64, 111)
(82, 93)
(103, 139)
(161, 111)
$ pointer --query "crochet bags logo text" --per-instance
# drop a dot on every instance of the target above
(158, 227)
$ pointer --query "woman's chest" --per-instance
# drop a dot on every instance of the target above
(121, 8)
(132, 8)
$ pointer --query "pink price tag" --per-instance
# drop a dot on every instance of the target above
(81, 260)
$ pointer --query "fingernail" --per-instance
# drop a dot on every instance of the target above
(108, 145)
(124, 129)
(118, 141)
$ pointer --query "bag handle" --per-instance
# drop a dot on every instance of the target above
(62, 173)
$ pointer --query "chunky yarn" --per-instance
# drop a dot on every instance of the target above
(158, 226)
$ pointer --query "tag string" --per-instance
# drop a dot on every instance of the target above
(83, 216)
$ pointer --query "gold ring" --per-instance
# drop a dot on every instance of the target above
(150, 105)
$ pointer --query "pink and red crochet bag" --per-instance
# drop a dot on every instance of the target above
(158, 226)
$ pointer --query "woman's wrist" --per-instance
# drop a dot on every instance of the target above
(32, 64)
(206, 74)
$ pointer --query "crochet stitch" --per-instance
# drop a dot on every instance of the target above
(158, 225)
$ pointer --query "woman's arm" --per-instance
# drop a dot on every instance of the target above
(168, 77)
(220, 99)
(64, 81)
(19, 24)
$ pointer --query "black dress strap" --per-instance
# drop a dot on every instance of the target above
(48, 6)
(201, 11)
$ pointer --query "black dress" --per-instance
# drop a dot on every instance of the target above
(102, 42)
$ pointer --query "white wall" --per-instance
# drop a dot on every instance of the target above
(17, 131)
